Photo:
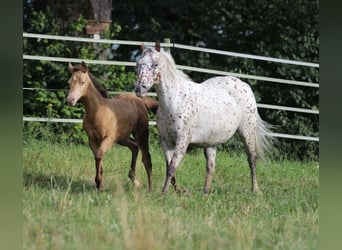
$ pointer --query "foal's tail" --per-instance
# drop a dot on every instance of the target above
(150, 104)
(264, 140)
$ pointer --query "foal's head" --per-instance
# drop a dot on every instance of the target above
(78, 82)
(148, 70)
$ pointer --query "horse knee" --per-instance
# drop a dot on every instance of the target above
(98, 155)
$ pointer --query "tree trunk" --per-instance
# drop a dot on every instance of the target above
(102, 9)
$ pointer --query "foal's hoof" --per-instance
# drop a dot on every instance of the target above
(137, 184)
(183, 191)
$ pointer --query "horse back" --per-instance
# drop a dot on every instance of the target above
(150, 104)
(116, 118)
(224, 105)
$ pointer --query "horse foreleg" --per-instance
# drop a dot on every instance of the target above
(171, 168)
(210, 154)
(132, 145)
(99, 172)
(99, 153)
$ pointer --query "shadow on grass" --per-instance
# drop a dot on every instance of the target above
(75, 185)
(53, 181)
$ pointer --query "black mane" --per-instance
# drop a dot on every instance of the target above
(98, 86)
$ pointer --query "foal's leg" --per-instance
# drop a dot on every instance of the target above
(99, 152)
(248, 139)
(132, 145)
(210, 154)
(146, 156)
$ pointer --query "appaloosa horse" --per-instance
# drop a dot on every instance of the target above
(202, 115)
(108, 121)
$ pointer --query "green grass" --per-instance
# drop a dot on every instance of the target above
(63, 210)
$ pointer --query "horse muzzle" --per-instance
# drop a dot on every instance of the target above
(72, 100)
(140, 90)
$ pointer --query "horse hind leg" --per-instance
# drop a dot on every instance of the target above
(146, 158)
(210, 155)
(132, 145)
(248, 138)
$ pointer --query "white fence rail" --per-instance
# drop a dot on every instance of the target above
(182, 67)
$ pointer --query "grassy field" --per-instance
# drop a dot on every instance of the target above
(63, 210)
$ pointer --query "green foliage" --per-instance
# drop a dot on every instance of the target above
(62, 209)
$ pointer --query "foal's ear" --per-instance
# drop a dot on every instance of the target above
(70, 67)
(84, 67)
(157, 46)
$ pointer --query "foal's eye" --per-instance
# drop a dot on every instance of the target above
(82, 82)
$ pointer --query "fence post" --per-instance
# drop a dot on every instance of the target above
(167, 40)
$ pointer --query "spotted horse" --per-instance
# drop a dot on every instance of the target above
(201, 115)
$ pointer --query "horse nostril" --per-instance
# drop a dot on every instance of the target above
(71, 100)
(140, 86)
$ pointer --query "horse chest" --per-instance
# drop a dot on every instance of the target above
(94, 132)
(99, 126)
(175, 122)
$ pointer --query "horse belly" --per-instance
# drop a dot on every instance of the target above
(216, 124)
(213, 134)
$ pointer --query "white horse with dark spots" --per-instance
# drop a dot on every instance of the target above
(201, 115)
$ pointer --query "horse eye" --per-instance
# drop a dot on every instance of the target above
(82, 82)
(155, 65)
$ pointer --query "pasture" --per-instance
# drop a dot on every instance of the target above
(63, 210)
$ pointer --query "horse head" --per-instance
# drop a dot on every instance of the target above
(78, 82)
(148, 70)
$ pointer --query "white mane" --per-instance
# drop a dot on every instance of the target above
(169, 70)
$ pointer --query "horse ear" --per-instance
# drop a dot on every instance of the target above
(84, 67)
(70, 67)
(157, 46)
(142, 47)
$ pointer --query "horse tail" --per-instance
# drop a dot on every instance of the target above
(150, 104)
(264, 140)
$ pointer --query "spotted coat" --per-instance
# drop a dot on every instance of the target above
(202, 115)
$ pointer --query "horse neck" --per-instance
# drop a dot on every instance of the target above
(92, 100)
(170, 87)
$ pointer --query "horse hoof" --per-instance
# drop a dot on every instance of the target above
(137, 184)
(183, 191)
